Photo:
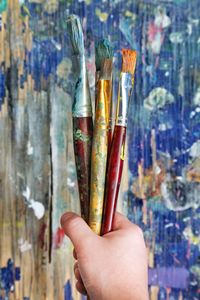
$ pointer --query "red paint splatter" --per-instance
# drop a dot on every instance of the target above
(58, 238)
(153, 30)
(41, 237)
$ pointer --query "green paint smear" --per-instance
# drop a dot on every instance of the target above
(156, 204)
(79, 135)
(3, 5)
(103, 50)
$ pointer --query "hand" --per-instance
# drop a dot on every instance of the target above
(110, 267)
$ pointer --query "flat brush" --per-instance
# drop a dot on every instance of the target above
(82, 115)
(116, 157)
(100, 146)
(103, 50)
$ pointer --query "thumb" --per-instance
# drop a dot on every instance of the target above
(76, 229)
(121, 222)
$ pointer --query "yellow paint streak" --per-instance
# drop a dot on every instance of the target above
(154, 292)
(99, 155)
(140, 180)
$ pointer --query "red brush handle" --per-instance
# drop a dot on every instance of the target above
(109, 140)
(82, 136)
(114, 174)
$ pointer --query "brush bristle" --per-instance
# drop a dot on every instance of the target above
(129, 61)
(106, 69)
(75, 32)
(103, 50)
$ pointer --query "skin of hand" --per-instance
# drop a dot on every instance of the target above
(109, 267)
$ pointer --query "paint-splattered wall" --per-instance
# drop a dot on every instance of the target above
(161, 183)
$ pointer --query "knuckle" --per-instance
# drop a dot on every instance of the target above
(75, 266)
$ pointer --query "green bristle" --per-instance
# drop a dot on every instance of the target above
(106, 69)
(103, 50)
(75, 32)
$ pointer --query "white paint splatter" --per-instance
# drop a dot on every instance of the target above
(195, 150)
(157, 170)
(181, 86)
(196, 99)
(36, 1)
(24, 245)
(70, 183)
(161, 18)
(169, 225)
(192, 114)
(158, 98)
(56, 44)
(164, 126)
(180, 194)
(176, 37)
(29, 148)
(38, 208)
(157, 43)
(186, 219)
(27, 193)
(189, 28)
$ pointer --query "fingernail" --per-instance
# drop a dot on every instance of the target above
(65, 217)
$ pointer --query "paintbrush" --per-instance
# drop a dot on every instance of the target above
(116, 157)
(103, 50)
(82, 115)
(100, 145)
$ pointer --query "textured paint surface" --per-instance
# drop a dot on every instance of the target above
(36, 146)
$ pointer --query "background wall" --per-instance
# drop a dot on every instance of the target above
(161, 181)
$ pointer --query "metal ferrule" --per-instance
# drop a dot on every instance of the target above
(125, 89)
(82, 101)
(103, 102)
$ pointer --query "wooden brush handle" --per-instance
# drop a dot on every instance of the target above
(109, 139)
(98, 176)
(82, 137)
(113, 180)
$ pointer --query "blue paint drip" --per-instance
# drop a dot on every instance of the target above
(8, 276)
(68, 291)
(2, 88)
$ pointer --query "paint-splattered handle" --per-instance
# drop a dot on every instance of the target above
(115, 167)
(98, 175)
(82, 136)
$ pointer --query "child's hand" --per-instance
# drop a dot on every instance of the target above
(111, 267)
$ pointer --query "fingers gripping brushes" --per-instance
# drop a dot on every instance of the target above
(95, 155)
